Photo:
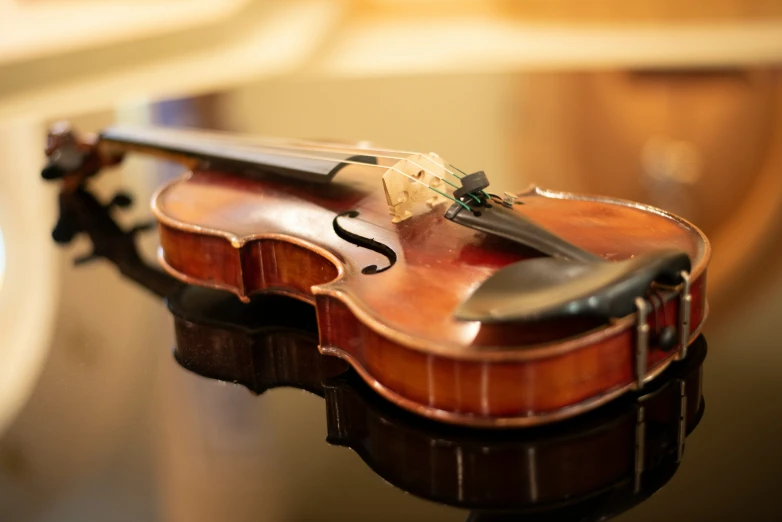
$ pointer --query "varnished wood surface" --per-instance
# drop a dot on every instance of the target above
(440, 262)
(395, 327)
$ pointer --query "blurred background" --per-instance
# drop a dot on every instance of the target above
(674, 103)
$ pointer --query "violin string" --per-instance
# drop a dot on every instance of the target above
(334, 149)
(289, 150)
(457, 168)
(294, 152)
(464, 173)
(371, 152)
(314, 145)
(298, 144)
(230, 140)
(385, 167)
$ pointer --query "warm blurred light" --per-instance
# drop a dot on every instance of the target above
(388, 46)
(2, 258)
(31, 29)
(579, 12)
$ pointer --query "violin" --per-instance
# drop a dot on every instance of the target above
(594, 466)
(450, 300)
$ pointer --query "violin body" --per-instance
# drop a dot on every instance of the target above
(395, 327)
(385, 290)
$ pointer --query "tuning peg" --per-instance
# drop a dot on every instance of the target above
(52, 171)
(63, 232)
(80, 260)
(63, 161)
(143, 227)
(121, 200)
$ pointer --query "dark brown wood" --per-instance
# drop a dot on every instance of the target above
(275, 235)
(267, 343)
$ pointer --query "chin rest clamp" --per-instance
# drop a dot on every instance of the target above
(664, 338)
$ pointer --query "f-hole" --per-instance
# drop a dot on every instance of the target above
(365, 242)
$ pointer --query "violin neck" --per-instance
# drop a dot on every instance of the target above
(235, 154)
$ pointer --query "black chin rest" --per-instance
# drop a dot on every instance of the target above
(549, 288)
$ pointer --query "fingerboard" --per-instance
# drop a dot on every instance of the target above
(243, 155)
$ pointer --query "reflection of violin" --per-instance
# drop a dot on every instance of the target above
(461, 305)
(601, 463)
(81, 212)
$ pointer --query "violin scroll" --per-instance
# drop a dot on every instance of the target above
(72, 161)
(71, 158)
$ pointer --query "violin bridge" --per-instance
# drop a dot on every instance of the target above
(414, 180)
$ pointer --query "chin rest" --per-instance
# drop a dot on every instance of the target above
(550, 288)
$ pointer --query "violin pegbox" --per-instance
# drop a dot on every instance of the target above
(72, 158)
(414, 180)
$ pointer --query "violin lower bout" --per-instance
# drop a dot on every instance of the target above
(489, 393)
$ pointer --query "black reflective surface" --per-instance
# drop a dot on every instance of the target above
(728, 467)
(592, 467)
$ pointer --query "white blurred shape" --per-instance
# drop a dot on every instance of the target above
(29, 290)
(33, 29)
